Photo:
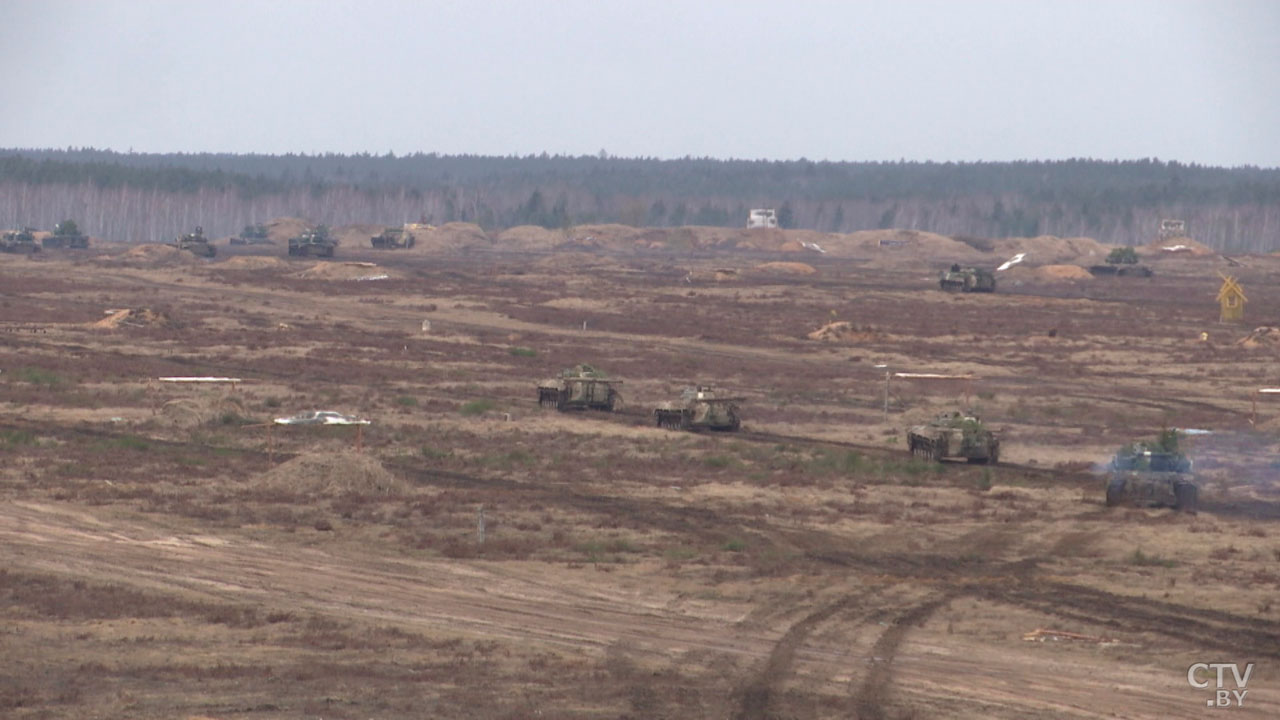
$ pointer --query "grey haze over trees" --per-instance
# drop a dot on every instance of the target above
(916, 80)
(148, 198)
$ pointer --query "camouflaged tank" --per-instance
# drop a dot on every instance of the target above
(699, 408)
(317, 242)
(1152, 474)
(954, 435)
(580, 387)
(66, 235)
(195, 243)
(19, 241)
(253, 235)
(967, 279)
(392, 239)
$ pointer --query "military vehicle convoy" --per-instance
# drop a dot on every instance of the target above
(392, 239)
(580, 387)
(967, 279)
(954, 435)
(317, 242)
(1152, 474)
(196, 243)
(66, 235)
(252, 235)
(19, 241)
(699, 408)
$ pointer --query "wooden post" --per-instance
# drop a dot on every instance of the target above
(359, 438)
(480, 525)
(887, 375)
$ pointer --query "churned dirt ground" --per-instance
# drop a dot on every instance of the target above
(165, 556)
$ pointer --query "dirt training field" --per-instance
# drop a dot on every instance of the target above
(481, 557)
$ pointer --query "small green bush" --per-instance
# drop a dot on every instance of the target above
(523, 352)
(476, 407)
(39, 376)
(1142, 559)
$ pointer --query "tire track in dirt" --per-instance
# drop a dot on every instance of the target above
(755, 699)
(869, 699)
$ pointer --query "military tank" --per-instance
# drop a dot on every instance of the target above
(19, 241)
(392, 239)
(253, 235)
(195, 243)
(1122, 262)
(66, 234)
(580, 387)
(954, 435)
(317, 242)
(699, 408)
(1152, 474)
(967, 279)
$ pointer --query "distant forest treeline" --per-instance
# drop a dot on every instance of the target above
(152, 197)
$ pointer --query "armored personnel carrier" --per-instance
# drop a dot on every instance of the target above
(195, 243)
(252, 235)
(580, 387)
(954, 435)
(699, 408)
(313, 243)
(19, 241)
(66, 235)
(1152, 474)
(967, 279)
(392, 239)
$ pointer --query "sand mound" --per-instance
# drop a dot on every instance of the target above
(915, 243)
(154, 255)
(843, 332)
(450, 237)
(1181, 246)
(606, 235)
(252, 262)
(1265, 336)
(676, 238)
(530, 237)
(132, 317)
(1051, 250)
(786, 268)
(1063, 272)
(347, 271)
(332, 473)
(357, 236)
(281, 229)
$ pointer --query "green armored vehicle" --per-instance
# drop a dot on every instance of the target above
(699, 408)
(954, 435)
(1121, 261)
(580, 387)
(1152, 474)
(66, 235)
(967, 279)
(252, 235)
(195, 243)
(313, 243)
(23, 241)
(392, 239)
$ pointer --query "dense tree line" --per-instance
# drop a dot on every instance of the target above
(149, 197)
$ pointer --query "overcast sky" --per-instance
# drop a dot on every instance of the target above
(927, 80)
